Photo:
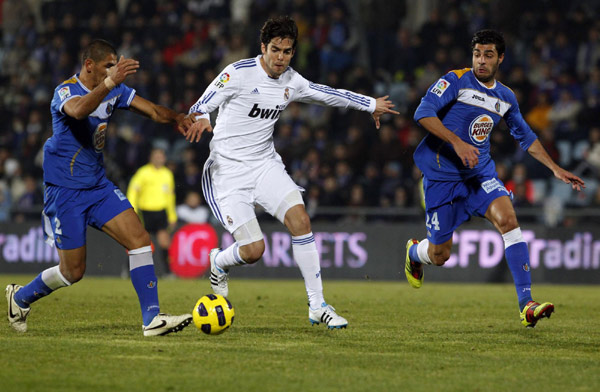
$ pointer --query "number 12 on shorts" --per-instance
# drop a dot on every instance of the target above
(433, 222)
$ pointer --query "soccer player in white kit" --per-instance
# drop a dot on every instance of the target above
(244, 169)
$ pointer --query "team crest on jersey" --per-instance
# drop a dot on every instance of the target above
(109, 108)
(440, 87)
(229, 220)
(64, 93)
(497, 106)
(480, 128)
(286, 94)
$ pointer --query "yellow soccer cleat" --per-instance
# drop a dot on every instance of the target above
(534, 311)
(412, 269)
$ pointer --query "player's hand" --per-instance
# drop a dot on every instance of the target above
(382, 105)
(468, 154)
(122, 69)
(569, 178)
(195, 131)
(184, 122)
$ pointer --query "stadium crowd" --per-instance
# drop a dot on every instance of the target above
(376, 47)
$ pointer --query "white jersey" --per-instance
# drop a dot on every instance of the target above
(250, 103)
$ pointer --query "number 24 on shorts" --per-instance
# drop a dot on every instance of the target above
(433, 222)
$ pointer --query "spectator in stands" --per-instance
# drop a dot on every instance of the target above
(192, 210)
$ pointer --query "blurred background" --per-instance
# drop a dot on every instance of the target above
(350, 171)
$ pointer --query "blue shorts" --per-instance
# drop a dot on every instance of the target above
(448, 204)
(68, 212)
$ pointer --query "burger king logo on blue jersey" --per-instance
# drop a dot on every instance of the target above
(480, 128)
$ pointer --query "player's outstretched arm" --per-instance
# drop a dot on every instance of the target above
(539, 152)
(81, 107)
(201, 124)
(161, 114)
(382, 105)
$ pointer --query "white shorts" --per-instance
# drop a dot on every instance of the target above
(232, 189)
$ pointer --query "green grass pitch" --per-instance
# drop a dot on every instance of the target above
(442, 337)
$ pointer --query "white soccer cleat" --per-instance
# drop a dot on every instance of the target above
(218, 276)
(163, 324)
(326, 314)
(17, 316)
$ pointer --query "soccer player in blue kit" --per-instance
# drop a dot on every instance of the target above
(77, 192)
(460, 179)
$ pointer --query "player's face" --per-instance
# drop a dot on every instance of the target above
(98, 69)
(486, 62)
(277, 56)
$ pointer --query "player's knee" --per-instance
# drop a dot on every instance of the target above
(299, 224)
(507, 223)
(139, 239)
(252, 252)
(73, 273)
(439, 256)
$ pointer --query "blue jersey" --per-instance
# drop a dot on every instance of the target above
(73, 155)
(470, 110)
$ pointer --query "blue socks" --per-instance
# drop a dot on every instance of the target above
(45, 283)
(143, 277)
(413, 255)
(517, 257)
(33, 291)
(145, 282)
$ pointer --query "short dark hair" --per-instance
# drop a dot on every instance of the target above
(281, 26)
(484, 37)
(97, 50)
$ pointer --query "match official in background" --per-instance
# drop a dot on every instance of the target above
(151, 192)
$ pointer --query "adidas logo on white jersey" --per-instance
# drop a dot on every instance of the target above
(255, 91)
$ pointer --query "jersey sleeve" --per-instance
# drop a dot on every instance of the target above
(519, 129)
(309, 92)
(222, 88)
(63, 94)
(439, 94)
(126, 95)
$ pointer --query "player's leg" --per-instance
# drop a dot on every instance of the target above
(306, 255)
(114, 215)
(64, 224)
(226, 188)
(127, 230)
(248, 248)
(442, 216)
(502, 214)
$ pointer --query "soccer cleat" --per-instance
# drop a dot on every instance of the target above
(534, 311)
(17, 316)
(163, 324)
(412, 269)
(218, 277)
(326, 314)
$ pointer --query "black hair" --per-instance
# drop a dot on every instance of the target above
(97, 50)
(281, 26)
(484, 37)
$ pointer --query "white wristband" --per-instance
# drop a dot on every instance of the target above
(109, 83)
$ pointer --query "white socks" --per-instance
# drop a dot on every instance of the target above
(229, 257)
(307, 258)
(54, 279)
(422, 251)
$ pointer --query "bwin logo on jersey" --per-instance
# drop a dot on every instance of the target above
(480, 128)
(265, 113)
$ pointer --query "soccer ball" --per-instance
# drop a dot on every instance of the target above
(213, 314)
